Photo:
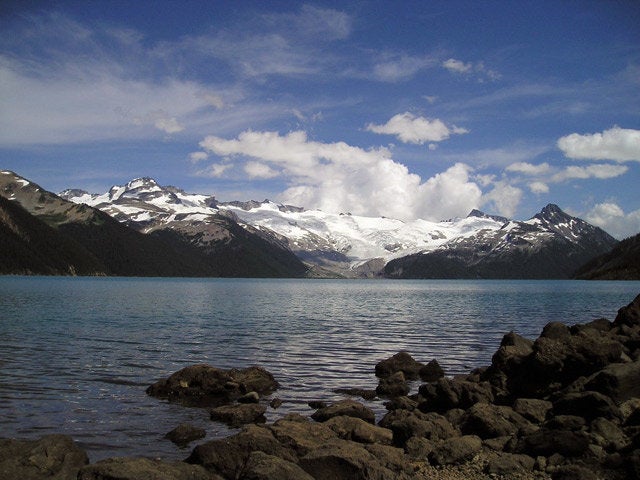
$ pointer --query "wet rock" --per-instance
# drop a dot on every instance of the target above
(400, 362)
(54, 457)
(533, 409)
(261, 466)
(227, 457)
(449, 393)
(406, 425)
(239, 414)
(357, 392)
(143, 469)
(357, 430)
(455, 451)
(317, 404)
(275, 403)
(349, 408)
(490, 421)
(513, 349)
(251, 397)
(556, 331)
(431, 372)
(184, 434)
(203, 385)
(394, 385)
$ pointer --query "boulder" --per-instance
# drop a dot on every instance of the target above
(431, 372)
(508, 464)
(300, 435)
(406, 425)
(490, 421)
(556, 331)
(54, 457)
(349, 408)
(619, 381)
(261, 466)
(547, 442)
(448, 393)
(513, 349)
(608, 435)
(239, 414)
(533, 409)
(586, 404)
(184, 434)
(367, 394)
(125, 468)
(629, 315)
(341, 459)
(227, 457)
(573, 472)
(251, 397)
(357, 430)
(394, 385)
(400, 362)
(455, 451)
(204, 386)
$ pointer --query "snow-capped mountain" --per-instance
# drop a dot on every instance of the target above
(353, 245)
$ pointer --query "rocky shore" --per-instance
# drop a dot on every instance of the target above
(565, 406)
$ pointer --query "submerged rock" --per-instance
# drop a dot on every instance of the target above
(400, 362)
(184, 434)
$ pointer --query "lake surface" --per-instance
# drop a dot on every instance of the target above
(76, 354)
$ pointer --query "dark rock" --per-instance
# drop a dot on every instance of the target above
(556, 331)
(547, 442)
(401, 403)
(507, 464)
(349, 408)
(620, 381)
(357, 392)
(400, 362)
(275, 403)
(448, 393)
(143, 469)
(513, 349)
(185, 433)
(573, 472)
(489, 421)
(565, 422)
(629, 315)
(50, 457)
(394, 385)
(455, 451)
(608, 435)
(317, 404)
(239, 414)
(340, 459)
(227, 457)
(587, 404)
(262, 466)
(431, 372)
(419, 448)
(391, 458)
(251, 397)
(300, 435)
(357, 430)
(203, 385)
(405, 425)
(532, 409)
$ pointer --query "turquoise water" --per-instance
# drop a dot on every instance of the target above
(76, 354)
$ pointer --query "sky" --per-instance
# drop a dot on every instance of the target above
(405, 109)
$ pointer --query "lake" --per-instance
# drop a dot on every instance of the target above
(76, 354)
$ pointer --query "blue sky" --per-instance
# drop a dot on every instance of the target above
(403, 109)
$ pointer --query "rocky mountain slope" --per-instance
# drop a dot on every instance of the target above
(552, 244)
(219, 248)
(621, 263)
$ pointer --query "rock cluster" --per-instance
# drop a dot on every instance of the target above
(565, 406)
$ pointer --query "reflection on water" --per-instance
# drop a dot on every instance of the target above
(76, 354)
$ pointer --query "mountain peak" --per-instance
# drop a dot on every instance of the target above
(480, 214)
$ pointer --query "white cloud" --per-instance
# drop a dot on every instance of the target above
(259, 170)
(457, 66)
(198, 156)
(478, 69)
(528, 168)
(612, 219)
(337, 177)
(394, 68)
(618, 144)
(215, 170)
(538, 187)
(168, 125)
(504, 198)
(411, 129)
(599, 171)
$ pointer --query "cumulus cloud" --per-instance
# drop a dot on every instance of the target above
(618, 144)
(337, 177)
(418, 130)
(198, 156)
(611, 218)
(504, 198)
(538, 187)
(259, 170)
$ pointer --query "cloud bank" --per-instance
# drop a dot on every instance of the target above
(618, 144)
(418, 130)
(337, 176)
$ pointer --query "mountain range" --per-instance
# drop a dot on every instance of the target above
(179, 233)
